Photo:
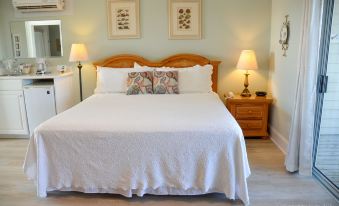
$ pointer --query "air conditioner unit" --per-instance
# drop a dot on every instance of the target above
(38, 5)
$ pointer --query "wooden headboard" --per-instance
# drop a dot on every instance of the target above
(177, 61)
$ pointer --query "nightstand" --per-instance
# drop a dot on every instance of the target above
(251, 114)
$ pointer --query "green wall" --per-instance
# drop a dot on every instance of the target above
(228, 27)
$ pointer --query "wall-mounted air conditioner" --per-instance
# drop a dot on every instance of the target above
(38, 5)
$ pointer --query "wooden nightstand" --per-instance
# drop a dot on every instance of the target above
(251, 114)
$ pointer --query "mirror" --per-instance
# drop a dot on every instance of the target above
(32, 39)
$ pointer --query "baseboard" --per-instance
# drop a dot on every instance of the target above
(279, 140)
(13, 136)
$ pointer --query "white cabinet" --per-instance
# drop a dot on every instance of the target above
(13, 110)
(13, 118)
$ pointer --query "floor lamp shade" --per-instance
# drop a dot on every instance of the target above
(78, 53)
(247, 61)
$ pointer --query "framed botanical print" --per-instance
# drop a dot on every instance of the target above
(16, 45)
(123, 19)
(184, 19)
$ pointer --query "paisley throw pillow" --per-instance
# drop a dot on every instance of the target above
(165, 82)
(139, 83)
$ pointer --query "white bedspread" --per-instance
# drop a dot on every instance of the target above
(157, 144)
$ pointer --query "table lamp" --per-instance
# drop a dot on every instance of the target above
(78, 54)
(247, 61)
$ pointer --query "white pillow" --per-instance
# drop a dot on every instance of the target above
(196, 79)
(138, 66)
(114, 80)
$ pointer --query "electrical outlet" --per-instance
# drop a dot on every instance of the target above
(61, 68)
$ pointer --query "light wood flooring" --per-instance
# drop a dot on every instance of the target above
(269, 184)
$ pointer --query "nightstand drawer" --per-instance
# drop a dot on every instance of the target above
(250, 124)
(251, 114)
(243, 112)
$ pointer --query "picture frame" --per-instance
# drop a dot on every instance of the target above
(184, 19)
(123, 19)
(16, 45)
(16, 38)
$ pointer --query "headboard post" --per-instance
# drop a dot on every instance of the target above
(215, 75)
(177, 61)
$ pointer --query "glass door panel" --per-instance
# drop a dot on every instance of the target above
(326, 159)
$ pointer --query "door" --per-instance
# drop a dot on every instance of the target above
(40, 105)
(13, 114)
(326, 147)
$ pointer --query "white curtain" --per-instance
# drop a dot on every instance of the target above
(300, 146)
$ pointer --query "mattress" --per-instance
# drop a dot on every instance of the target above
(184, 144)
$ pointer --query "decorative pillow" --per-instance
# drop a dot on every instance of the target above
(139, 83)
(196, 79)
(165, 82)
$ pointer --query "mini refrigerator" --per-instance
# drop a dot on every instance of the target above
(40, 103)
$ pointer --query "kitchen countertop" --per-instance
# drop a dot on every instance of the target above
(52, 75)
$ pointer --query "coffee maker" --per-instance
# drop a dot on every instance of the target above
(41, 66)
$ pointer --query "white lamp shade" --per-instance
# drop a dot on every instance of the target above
(247, 60)
(78, 53)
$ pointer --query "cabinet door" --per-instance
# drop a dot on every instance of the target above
(13, 118)
(64, 96)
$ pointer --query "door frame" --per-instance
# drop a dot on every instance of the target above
(328, 7)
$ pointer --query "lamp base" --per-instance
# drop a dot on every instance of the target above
(246, 93)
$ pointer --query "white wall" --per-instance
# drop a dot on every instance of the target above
(228, 27)
(283, 70)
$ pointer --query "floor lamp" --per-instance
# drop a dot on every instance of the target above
(78, 54)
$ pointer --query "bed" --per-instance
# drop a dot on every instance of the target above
(185, 144)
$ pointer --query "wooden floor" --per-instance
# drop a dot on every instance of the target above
(269, 184)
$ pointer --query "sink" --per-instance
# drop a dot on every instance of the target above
(10, 75)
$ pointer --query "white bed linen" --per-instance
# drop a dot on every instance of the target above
(183, 144)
